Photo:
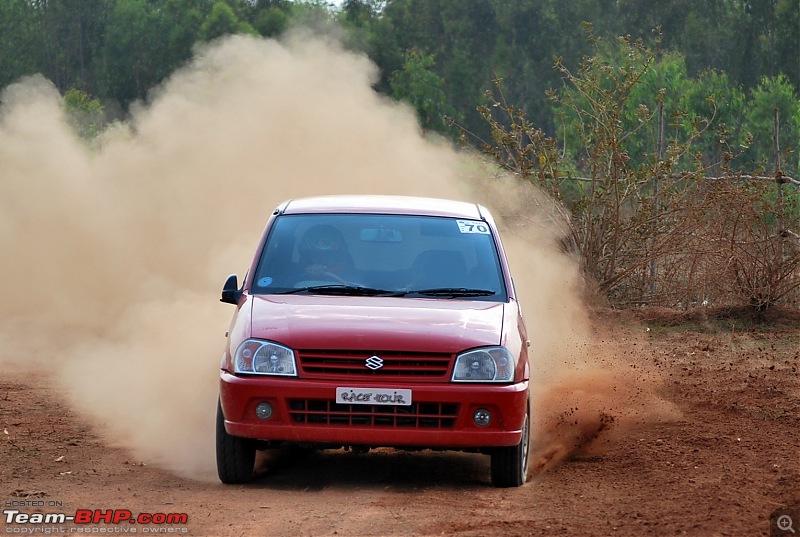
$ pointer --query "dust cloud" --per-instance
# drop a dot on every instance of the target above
(114, 251)
(590, 379)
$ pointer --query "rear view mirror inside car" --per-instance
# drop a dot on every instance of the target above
(380, 235)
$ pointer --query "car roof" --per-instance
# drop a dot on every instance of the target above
(382, 205)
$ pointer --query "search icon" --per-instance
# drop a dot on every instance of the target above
(784, 523)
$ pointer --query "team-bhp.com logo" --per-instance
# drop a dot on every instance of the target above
(94, 516)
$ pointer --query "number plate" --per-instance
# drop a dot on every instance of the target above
(372, 396)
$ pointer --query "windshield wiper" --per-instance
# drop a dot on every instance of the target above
(453, 292)
(358, 290)
(339, 289)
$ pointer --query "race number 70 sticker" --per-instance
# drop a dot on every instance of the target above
(471, 226)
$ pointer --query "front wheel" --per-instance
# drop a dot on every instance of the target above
(510, 464)
(236, 456)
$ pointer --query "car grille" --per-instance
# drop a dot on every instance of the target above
(415, 415)
(337, 364)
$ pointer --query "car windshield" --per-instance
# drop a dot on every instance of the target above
(380, 255)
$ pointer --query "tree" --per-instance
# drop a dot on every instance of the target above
(712, 98)
(182, 20)
(421, 87)
(18, 41)
(787, 40)
(134, 56)
(70, 37)
(271, 21)
(531, 34)
(222, 20)
(459, 35)
(773, 94)
(628, 208)
(86, 113)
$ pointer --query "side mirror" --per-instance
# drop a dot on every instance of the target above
(230, 291)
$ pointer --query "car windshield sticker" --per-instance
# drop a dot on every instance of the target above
(265, 281)
(471, 226)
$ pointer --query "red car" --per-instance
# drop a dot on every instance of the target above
(376, 321)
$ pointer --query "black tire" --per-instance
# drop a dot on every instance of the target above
(510, 464)
(236, 456)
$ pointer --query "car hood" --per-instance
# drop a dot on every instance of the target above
(374, 323)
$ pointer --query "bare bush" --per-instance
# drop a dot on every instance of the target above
(657, 231)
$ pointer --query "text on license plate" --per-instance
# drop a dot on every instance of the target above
(372, 396)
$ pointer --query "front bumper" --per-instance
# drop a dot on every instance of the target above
(441, 415)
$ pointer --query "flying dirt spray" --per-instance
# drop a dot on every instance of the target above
(114, 252)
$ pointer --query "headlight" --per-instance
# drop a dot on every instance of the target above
(489, 364)
(264, 358)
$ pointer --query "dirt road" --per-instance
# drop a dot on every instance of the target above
(721, 469)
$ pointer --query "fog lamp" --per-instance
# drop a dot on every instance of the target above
(482, 417)
(264, 410)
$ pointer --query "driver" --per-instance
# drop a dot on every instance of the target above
(324, 255)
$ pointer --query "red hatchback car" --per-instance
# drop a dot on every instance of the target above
(376, 321)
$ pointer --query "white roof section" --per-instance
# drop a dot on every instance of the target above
(383, 205)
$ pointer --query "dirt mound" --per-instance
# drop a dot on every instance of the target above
(721, 317)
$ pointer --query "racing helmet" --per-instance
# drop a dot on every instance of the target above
(323, 244)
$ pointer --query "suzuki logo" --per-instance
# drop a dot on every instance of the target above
(374, 362)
